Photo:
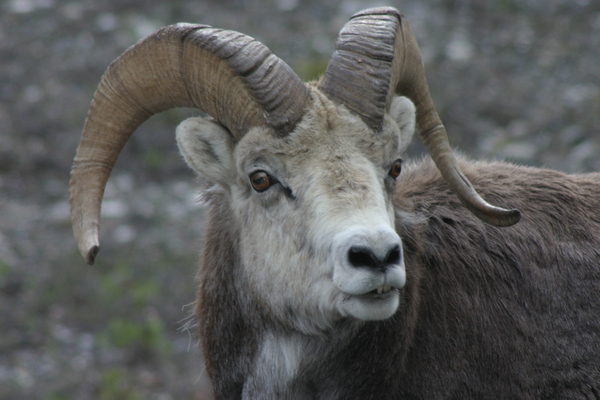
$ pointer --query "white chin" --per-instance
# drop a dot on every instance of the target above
(372, 308)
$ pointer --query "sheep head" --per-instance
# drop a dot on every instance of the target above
(308, 170)
(313, 209)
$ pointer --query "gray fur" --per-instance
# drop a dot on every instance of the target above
(486, 312)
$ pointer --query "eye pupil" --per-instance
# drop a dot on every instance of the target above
(260, 181)
(396, 169)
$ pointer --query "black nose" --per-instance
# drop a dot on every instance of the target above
(364, 257)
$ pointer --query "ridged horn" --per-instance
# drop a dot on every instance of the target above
(228, 75)
(377, 56)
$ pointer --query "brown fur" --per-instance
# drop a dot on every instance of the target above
(503, 313)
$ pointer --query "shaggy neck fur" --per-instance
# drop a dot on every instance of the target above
(486, 313)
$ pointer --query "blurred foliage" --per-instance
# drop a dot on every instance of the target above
(312, 69)
(153, 159)
(114, 386)
(505, 5)
(131, 323)
(148, 334)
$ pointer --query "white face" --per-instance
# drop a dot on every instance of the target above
(314, 210)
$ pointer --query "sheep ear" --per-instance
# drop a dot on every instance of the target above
(403, 111)
(207, 148)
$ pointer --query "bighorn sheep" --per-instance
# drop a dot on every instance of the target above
(327, 275)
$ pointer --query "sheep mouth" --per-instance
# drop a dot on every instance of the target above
(381, 292)
(374, 305)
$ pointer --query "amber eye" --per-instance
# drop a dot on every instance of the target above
(396, 169)
(260, 181)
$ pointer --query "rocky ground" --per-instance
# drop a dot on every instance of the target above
(512, 79)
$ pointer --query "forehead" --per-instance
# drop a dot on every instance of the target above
(327, 132)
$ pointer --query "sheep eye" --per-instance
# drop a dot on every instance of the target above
(396, 168)
(260, 181)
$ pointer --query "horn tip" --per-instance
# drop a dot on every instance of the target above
(499, 217)
(90, 254)
(510, 217)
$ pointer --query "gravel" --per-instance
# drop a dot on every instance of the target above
(515, 80)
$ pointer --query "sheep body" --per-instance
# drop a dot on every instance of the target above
(486, 312)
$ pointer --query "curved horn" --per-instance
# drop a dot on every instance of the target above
(376, 49)
(230, 76)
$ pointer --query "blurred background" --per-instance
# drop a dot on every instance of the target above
(517, 80)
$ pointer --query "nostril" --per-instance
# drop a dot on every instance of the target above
(393, 257)
(362, 257)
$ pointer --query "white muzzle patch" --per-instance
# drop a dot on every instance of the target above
(369, 271)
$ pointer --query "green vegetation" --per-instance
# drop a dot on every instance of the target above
(114, 386)
(312, 69)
